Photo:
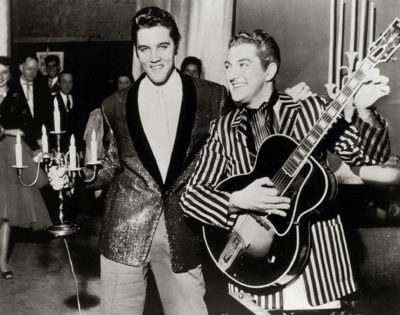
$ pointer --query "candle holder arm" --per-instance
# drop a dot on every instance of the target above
(42, 157)
(89, 177)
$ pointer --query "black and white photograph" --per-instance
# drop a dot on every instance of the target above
(199, 157)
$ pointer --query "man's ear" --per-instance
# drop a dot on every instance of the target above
(20, 67)
(271, 72)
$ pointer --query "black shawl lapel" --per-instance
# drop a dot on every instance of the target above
(138, 136)
(184, 130)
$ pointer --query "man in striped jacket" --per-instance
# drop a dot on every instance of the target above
(360, 139)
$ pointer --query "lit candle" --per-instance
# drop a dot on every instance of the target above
(56, 116)
(371, 26)
(45, 142)
(18, 151)
(352, 45)
(72, 153)
(340, 45)
(363, 24)
(93, 147)
(331, 62)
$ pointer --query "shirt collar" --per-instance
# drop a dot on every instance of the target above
(243, 113)
(54, 80)
(23, 82)
(65, 97)
(173, 81)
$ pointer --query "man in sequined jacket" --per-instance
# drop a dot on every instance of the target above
(155, 131)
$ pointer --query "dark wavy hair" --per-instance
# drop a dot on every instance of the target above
(153, 16)
(266, 47)
(125, 74)
(51, 58)
(191, 60)
(7, 62)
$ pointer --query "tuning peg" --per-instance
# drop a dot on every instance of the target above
(393, 58)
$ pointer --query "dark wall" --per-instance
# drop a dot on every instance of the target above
(301, 28)
(93, 34)
(95, 65)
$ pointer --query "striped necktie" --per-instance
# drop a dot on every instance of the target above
(261, 124)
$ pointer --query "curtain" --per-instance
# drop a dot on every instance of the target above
(5, 18)
(205, 27)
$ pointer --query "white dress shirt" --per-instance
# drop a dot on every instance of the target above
(64, 98)
(159, 109)
(53, 81)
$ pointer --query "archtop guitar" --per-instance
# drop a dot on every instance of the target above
(264, 251)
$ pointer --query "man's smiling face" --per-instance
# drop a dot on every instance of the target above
(156, 53)
(245, 74)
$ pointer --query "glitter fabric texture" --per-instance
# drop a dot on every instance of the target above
(137, 197)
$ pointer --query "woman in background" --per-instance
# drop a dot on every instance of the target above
(19, 206)
(124, 80)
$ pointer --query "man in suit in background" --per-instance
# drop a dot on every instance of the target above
(154, 131)
(251, 68)
(35, 99)
(53, 69)
(72, 115)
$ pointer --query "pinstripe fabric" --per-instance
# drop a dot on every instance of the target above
(328, 275)
(260, 125)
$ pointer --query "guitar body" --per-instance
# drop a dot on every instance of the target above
(265, 251)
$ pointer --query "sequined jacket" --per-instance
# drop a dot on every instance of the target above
(137, 196)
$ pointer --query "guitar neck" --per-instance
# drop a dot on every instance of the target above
(325, 122)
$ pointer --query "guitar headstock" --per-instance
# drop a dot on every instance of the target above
(386, 45)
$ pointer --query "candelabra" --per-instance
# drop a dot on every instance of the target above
(69, 163)
(354, 56)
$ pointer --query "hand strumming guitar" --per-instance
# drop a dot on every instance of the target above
(259, 196)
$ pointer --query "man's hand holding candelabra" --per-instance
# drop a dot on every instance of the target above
(62, 170)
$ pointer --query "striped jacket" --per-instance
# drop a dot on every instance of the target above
(328, 275)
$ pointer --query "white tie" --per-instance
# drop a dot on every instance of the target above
(163, 151)
(29, 96)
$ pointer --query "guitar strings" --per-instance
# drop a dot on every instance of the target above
(281, 179)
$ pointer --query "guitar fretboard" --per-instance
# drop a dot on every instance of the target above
(325, 122)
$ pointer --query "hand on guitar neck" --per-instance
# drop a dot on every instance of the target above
(374, 87)
(260, 197)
